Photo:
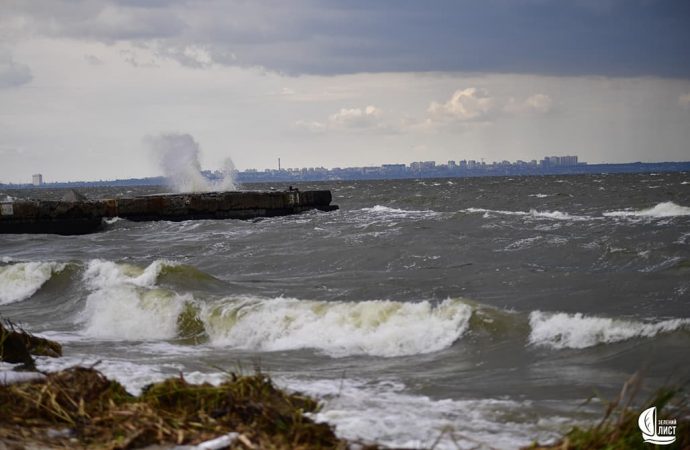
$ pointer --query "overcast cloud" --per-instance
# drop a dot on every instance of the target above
(327, 83)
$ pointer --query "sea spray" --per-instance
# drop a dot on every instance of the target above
(177, 155)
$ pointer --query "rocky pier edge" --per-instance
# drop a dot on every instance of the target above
(73, 216)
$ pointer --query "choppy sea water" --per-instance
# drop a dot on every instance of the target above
(459, 310)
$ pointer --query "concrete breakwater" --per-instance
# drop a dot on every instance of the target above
(69, 217)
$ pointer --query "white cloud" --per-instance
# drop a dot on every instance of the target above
(92, 118)
(369, 118)
(471, 104)
(534, 104)
(12, 73)
(356, 118)
(473, 107)
(312, 126)
(684, 101)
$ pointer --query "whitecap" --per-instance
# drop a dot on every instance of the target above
(563, 330)
(20, 281)
(665, 209)
(377, 327)
(551, 215)
(126, 304)
(101, 273)
(380, 210)
(132, 313)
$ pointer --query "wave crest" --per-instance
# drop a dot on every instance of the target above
(562, 330)
(125, 302)
(661, 210)
(101, 274)
(20, 281)
(379, 328)
(532, 213)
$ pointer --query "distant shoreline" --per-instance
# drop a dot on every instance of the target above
(380, 173)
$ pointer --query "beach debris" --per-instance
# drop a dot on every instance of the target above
(18, 345)
(80, 406)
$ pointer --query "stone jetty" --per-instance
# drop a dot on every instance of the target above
(72, 216)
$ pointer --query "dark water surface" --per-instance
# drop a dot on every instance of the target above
(487, 307)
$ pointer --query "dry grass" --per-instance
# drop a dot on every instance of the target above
(618, 428)
(79, 407)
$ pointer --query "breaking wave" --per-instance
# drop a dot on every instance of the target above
(562, 330)
(396, 213)
(20, 281)
(553, 215)
(665, 209)
(379, 328)
(125, 302)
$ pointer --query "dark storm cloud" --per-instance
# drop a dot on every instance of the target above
(543, 37)
(579, 37)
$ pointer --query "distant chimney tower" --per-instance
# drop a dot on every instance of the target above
(37, 179)
(278, 164)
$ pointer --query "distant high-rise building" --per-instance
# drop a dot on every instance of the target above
(37, 179)
(559, 161)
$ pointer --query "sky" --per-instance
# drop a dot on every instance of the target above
(86, 86)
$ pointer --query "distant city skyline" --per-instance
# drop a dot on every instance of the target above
(554, 160)
(86, 86)
(549, 165)
(450, 168)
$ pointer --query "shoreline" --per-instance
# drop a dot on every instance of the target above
(81, 406)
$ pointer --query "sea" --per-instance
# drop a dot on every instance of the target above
(453, 313)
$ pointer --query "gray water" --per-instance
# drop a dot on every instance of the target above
(480, 309)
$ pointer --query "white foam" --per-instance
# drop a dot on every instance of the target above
(557, 215)
(9, 376)
(562, 330)
(551, 215)
(131, 313)
(126, 304)
(385, 413)
(385, 211)
(133, 376)
(100, 273)
(665, 209)
(487, 212)
(539, 195)
(381, 328)
(20, 281)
